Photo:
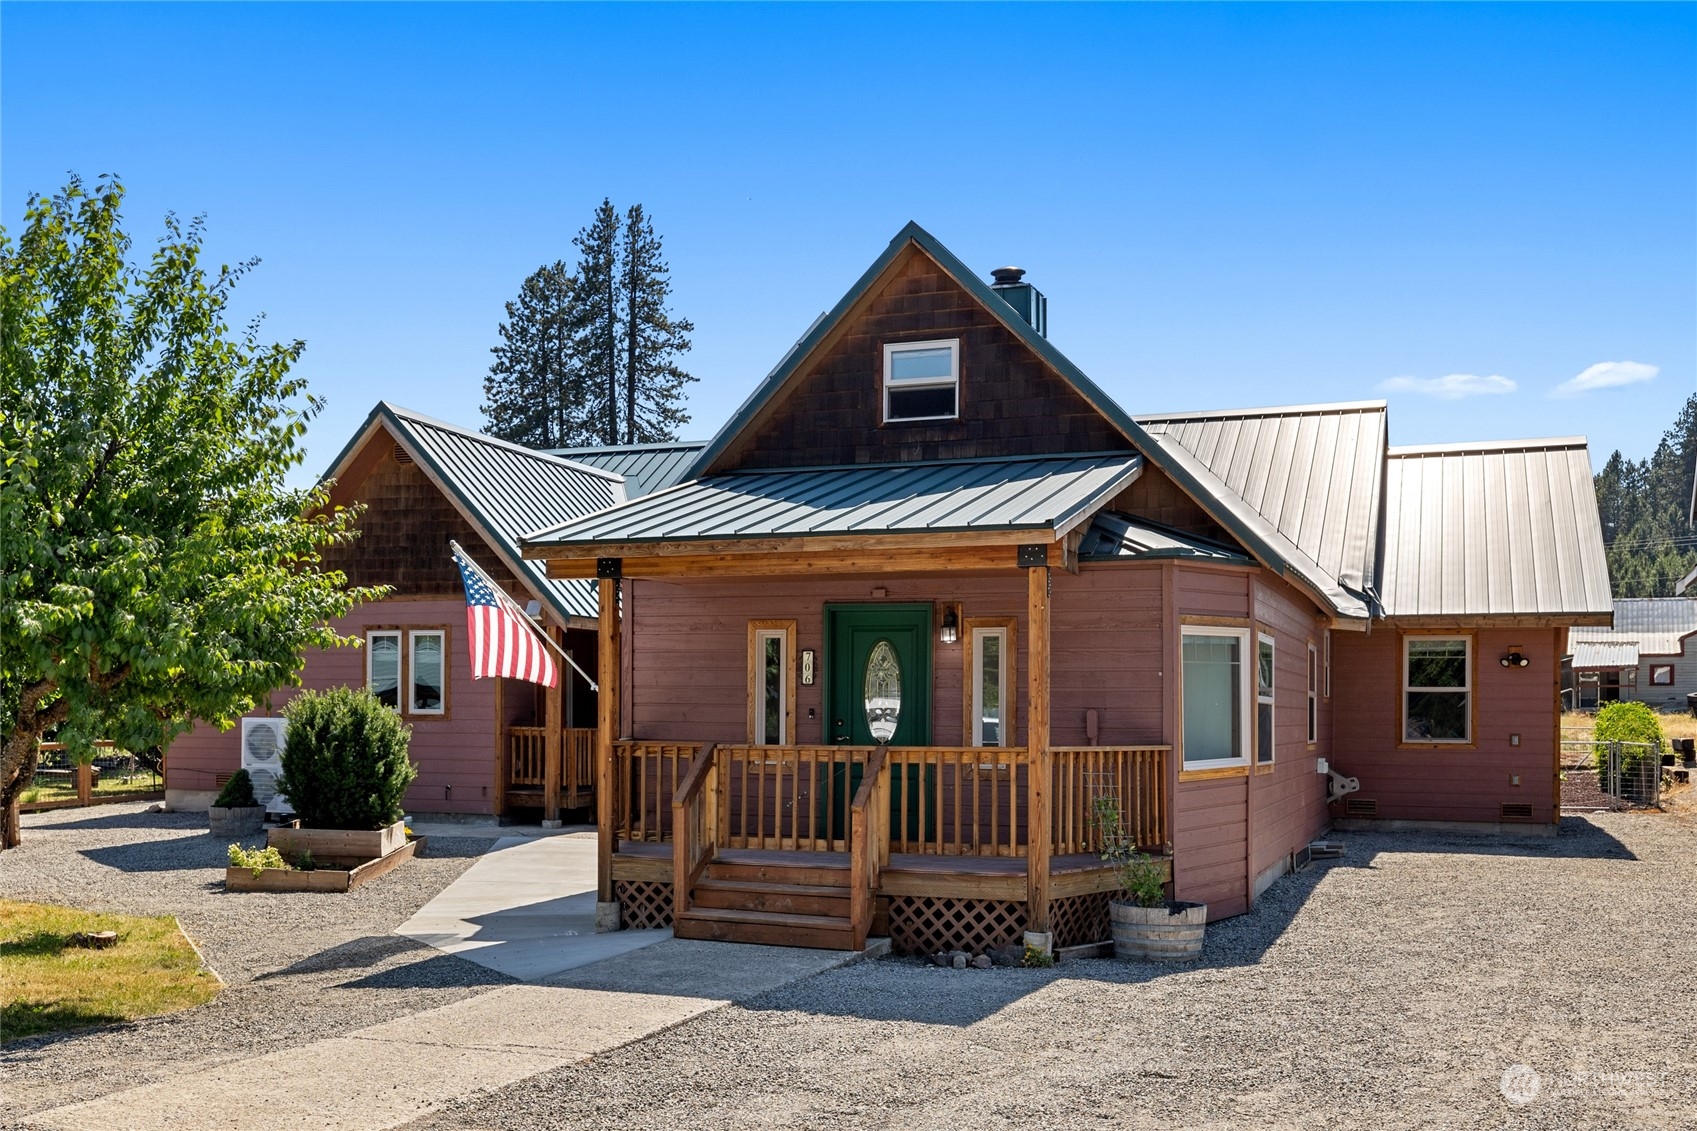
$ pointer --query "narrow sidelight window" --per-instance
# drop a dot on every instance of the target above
(771, 682)
(1264, 670)
(771, 689)
(990, 687)
(1313, 694)
(1216, 697)
(383, 667)
(428, 667)
(1437, 688)
(922, 380)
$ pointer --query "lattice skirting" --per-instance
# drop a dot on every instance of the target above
(927, 924)
(1079, 919)
(643, 903)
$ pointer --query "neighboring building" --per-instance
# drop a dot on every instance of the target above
(1649, 655)
(482, 746)
(931, 596)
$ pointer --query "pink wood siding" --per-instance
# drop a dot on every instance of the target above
(455, 755)
(1287, 806)
(1449, 784)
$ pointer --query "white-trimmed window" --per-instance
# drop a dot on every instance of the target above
(1313, 694)
(1216, 696)
(383, 666)
(989, 687)
(771, 682)
(1326, 682)
(1265, 669)
(427, 667)
(922, 380)
(1437, 688)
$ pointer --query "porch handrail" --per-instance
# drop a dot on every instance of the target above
(1134, 776)
(869, 842)
(695, 823)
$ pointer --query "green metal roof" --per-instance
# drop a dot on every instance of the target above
(1118, 537)
(646, 468)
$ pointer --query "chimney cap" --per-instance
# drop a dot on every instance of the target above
(1007, 276)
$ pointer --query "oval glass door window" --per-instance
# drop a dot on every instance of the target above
(883, 691)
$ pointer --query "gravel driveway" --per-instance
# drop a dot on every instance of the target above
(1390, 989)
(301, 966)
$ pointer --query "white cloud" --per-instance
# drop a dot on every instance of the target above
(1606, 375)
(1450, 388)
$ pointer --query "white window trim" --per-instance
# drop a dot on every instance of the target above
(782, 636)
(1246, 695)
(951, 381)
(1270, 699)
(411, 667)
(1326, 685)
(1313, 720)
(978, 635)
(1466, 687)
(400, 663)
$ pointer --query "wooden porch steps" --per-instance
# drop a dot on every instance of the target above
(776, 898)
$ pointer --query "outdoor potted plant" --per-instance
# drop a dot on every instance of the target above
(1146, 925)
(236, 812)
(346, 770)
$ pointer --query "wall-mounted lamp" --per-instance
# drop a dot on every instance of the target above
(1515, 659)
(951, 626)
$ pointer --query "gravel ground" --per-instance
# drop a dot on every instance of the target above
(301, 966)
(1389, 989)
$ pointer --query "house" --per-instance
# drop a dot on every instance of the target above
(1649, 654)
(931, 597)
(481, 746)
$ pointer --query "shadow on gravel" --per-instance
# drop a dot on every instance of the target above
(122, 821)
(433, 968)
(179, 854)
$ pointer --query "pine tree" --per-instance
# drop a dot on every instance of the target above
(1645, 510)
(596, 320)
(654, 382)
(535, 392)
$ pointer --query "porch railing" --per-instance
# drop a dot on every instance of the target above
(646, 776)
(789, 797)
(1134, 776)
(528, 750)
(527, 758)
(959, 801)
(869, 843)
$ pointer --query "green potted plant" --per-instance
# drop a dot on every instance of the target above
(235, 812)
(346, 770)
(1146, 925)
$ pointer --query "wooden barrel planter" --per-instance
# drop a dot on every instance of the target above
(1170, 933)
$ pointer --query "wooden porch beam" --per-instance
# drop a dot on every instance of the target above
(1037, 741)
(934, 560)
(812, 544)
(554, 741)
(606, 729)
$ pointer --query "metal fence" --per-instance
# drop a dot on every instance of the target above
(1609, 774)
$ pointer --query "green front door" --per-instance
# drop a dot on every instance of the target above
(878, 692)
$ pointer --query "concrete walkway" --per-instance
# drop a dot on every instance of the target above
(526, 909)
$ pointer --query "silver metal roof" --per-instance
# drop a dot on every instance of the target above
(646, 468)
(1307, 477)
(1605, 654)
(504, 490)
(1051, 493)
(1493, 530)
(1118, 536)
(1658, 625)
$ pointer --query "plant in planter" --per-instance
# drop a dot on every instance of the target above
(235, 812)
(1146, 926)
(257, 860)
(345, 768)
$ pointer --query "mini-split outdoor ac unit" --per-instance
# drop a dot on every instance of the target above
(262, 758)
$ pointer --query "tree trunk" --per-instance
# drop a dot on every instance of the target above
(22, 752)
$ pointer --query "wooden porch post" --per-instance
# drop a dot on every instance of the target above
(607, 726)
(1037, 742)
(85, 783)
(503, 749)
(554, 720)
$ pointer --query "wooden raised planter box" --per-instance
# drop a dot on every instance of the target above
(345, 858)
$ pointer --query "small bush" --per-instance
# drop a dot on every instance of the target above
(237, 792)
(257, 859)
(1038, 958)
(1629, 722)
(345, 763)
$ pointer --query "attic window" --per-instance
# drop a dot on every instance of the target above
(922, 380)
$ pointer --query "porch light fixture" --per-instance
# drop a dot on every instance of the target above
(951, 626)
(1515, 659)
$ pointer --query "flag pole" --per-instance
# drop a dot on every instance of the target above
(517, 610)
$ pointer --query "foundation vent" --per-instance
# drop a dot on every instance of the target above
(402, 455)
(1517, 811)
(1360, 807)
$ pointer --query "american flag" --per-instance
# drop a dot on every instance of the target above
(504, 642)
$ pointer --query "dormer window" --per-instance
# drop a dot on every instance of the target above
(922, 380)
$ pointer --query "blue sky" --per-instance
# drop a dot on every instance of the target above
(1227, 205)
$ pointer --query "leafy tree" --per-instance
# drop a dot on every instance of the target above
(654, 383)
(154, 568)
(536, 393)
(1645, 509)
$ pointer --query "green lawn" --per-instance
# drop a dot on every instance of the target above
(111, 783)
(46, 984)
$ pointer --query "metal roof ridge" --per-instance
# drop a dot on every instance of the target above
(547, 457)
(1543, 443)
(647, 447)
(879, 466)
(1270, 410)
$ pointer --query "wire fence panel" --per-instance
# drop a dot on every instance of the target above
(1610, 774)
